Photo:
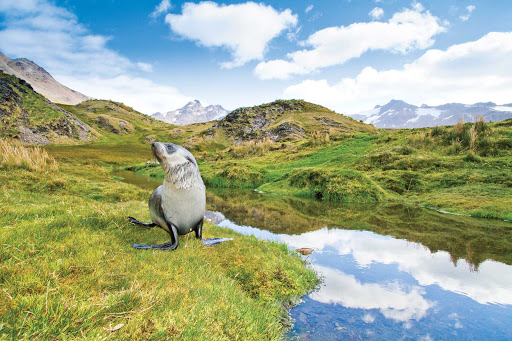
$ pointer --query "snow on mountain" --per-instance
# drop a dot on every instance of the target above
(399, 114)
(192, 112)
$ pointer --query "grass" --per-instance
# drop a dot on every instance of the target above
(67, 268)
(13, 155)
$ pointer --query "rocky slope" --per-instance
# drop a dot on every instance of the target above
(192, 112)
(40, 80)
(284, 120)
(399, 114)
(34, 120)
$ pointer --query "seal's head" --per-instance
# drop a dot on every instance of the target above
(180, 166)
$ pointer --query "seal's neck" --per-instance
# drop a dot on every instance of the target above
(182, 176)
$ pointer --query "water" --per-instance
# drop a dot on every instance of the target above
(389, 271)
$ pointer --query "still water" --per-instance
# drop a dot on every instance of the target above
(390, 271)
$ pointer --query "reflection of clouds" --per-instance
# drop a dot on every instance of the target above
(394, 301)
(491, 284)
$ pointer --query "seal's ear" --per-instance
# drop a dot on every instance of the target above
(189, 159)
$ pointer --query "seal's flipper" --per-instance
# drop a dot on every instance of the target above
(172, 245)
(215, 241)
(135, 221)
(199, 230)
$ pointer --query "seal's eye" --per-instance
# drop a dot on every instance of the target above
(170, 148)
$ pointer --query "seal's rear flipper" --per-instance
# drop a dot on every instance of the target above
(135, 221)
(163, 247)
(172, 245)
(215, 241)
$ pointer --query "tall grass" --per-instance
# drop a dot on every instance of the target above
(257, 147)
(14, 155)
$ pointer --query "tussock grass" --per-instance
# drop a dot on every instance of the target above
(343, 185)
(14, 155)
(320, 138)
(253, 147)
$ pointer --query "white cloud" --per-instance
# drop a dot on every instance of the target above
(308, 9)
(417, 6)
(394, 301)
(145, 67)
(376, 13)
(470, 9)
(161, 8)
(244, 29)
(54, 39)
(475, 71)
(140, 93)
(406, 30)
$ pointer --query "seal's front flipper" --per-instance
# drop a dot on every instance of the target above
(135, 221)
(172, 245)
(215, 241)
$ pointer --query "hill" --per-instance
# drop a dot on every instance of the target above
(40, 80)
(285, 120)
(29, 117)
(399, 114)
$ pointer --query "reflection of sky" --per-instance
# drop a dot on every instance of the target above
(492, 283)
(403, 282)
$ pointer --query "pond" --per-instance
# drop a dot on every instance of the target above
(390, 271)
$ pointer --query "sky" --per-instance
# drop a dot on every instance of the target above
(348, 55)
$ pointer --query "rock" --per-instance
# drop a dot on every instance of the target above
(305, 250)
(28, 137)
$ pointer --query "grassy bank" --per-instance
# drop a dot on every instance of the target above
(67, 268)
(465, 168)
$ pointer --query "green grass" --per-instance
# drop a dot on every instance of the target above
(67, 268)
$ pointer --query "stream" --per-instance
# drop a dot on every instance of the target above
(390, 271)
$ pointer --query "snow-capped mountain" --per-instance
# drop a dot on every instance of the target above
(398, 114)
(192, 112)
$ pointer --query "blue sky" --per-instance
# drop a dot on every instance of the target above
(346, 55)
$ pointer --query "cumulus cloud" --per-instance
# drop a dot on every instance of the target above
(53, 37)
(244, 29)
(407, 30)
(161, 8)
(480, 70)
(376, 13)
(469, 9)
(308, 9)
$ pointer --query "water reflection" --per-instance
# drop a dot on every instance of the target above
(473, 240)
(390, 271)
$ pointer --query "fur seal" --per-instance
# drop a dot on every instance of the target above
(178, 206)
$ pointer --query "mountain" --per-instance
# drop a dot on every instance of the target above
(40, 80)
(192, 112)
(398, 114)
(34, 120)
(284, 120)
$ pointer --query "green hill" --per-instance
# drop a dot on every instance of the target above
(29, 117)
(285, 120)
